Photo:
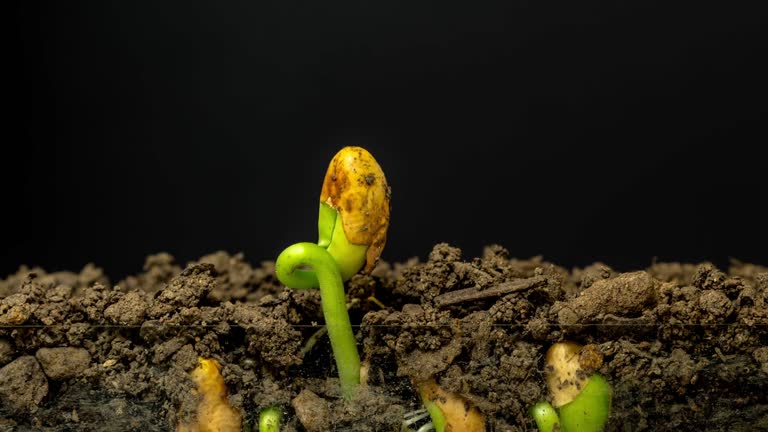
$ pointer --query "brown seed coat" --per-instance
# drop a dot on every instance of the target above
(355, 186)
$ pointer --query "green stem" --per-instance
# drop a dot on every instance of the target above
(289, 268)
(435, 414)
(269, 420)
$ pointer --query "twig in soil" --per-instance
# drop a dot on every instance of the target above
(376, 301)
(312, 341)
(723, 358)
(472, 294)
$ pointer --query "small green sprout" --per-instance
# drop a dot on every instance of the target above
(447, 411)
(545, 416)
(352, 226)
(582, 403)
(435, 414)
(269, 419)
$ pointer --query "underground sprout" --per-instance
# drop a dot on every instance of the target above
(214, 413)
(269, 420)
(581, 400)
(449, 411)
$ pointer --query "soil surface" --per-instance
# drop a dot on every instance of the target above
(685, 346)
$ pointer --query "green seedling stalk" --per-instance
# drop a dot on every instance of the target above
(349, 257)
(326, 224)
(269, 420)
(292, 268)
(435, 414)
(356, 180)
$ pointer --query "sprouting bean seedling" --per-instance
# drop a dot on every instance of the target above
(582, 402)
(269, 419)
(449, 411)
(214, 413)
(352, 228)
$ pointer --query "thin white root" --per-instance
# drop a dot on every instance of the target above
(414, 417)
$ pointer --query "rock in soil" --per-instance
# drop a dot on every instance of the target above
(22, 386)
(63, 363)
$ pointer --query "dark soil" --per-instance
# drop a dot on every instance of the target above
(685, 346)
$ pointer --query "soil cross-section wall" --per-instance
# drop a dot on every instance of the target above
(684, 346)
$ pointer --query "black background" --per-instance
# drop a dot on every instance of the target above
(617, 131)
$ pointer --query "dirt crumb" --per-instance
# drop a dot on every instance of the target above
(159, 269)
(6, 352)
(128, 311)
(185, 290)
(421, 365)
(624, 295)
(15, 309)
(312, 411)
(591, 274)
(63, 363)
(716, 305)
(22, 386)
(761, 356)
